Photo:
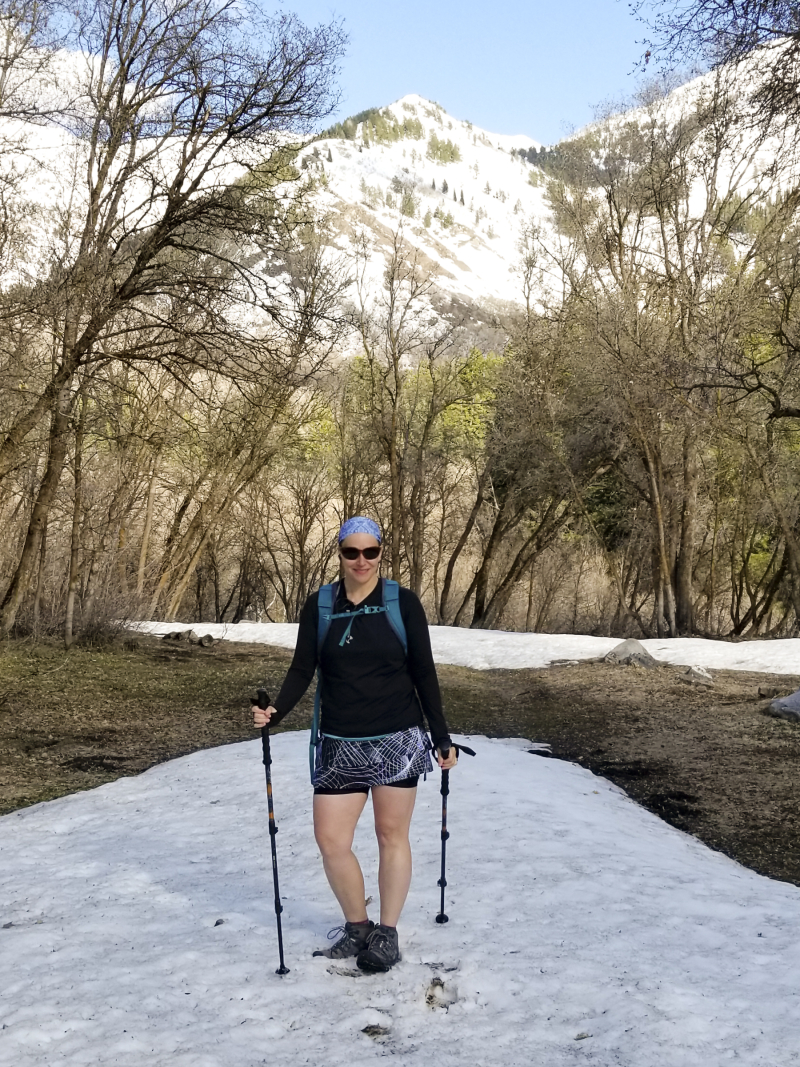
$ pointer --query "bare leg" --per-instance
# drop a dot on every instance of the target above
(393, 808)
(335, 819)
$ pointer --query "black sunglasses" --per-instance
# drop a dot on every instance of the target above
(368, 553)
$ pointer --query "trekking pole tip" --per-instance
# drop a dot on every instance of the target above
(282, 970)
(442, 918)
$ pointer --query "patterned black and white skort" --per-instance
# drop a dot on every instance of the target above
(354, 765)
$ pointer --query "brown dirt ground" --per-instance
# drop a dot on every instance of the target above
(706, 760)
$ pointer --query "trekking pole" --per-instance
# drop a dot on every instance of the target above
(263, 703)
(445, 791)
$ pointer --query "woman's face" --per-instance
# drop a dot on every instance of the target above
(359, 571)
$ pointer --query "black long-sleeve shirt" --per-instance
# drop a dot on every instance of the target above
(369, 685)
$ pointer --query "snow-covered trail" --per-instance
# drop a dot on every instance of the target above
(573, 912)
(487, 649)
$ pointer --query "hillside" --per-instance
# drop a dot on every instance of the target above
(460, 193)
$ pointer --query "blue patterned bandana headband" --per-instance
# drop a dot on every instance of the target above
(360, 524)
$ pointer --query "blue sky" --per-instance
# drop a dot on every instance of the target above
(534, 68)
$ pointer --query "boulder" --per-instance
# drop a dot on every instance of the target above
(631, 654)
(182, 635)
(207, 641)
(785, 707)
(696, 676)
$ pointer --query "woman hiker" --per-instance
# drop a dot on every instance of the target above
(373, 694)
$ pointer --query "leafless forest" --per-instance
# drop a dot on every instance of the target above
(197, 385)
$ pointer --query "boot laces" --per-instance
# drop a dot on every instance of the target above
(379, 939)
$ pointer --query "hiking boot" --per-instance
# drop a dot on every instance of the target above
(381, 951)
(354, 938)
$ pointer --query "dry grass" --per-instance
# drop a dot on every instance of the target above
(708, 761)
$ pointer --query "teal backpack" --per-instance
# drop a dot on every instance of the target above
(325, 615)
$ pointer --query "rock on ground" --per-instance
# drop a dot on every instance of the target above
(697, 676)
(631, 653)
(786, 707)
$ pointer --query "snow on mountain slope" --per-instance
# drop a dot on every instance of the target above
(474, 246)
(737, 154)
(470, 246)
(398, 170)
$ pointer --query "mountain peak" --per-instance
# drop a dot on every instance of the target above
(460, 193)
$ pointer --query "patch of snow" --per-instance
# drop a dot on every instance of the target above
(489, 649)
(582, 928)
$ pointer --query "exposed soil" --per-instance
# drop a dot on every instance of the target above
(72, 721)
(706, 760)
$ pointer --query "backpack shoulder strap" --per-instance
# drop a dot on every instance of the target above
(391, 601)
(325, 603)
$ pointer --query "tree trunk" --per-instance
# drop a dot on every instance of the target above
(115, 511)
(484, 571)
(463, 607)
(529, 612)
(461, 544)
(183, 582)
(792, 544)
(31, 549)
(547, 529)
(146, 532)
(665, 600)
(55, 392)
(215, 575)
(624, 609)
(684, 567)
(37, 600)
(74, 555)
(123, 570)
(397, 503)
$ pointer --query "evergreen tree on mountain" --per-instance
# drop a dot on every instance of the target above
(444, 186)
(443, 151)
(408, 203)
(462, 197)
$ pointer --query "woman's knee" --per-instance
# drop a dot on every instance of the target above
(393, 809)
(392, 834)
(332, 842)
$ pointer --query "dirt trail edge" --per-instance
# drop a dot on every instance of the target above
(707, 760)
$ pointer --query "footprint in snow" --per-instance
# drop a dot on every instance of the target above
(441, 994)
(377, 1033)
(347, 972)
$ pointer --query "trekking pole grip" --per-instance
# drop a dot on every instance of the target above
(445, 791)
(263, 703)
(262, 700)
